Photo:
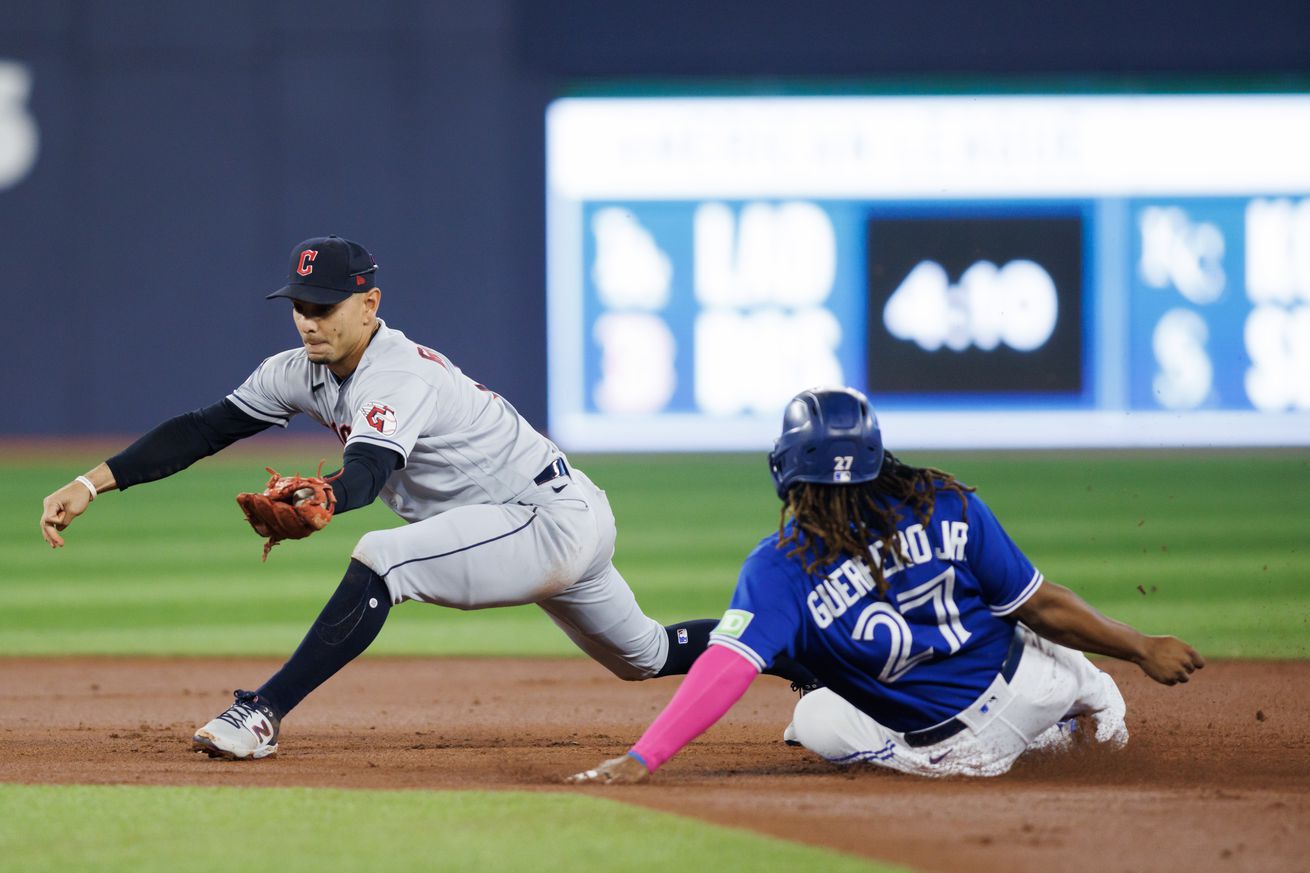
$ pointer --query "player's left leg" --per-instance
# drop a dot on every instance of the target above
(1067, 678)
(1054, 686)
(348, 623)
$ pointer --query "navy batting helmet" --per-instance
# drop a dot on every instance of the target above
(829, 435)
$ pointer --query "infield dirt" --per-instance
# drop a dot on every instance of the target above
(1215, 777)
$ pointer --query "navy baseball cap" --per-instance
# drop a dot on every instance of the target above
(327, 270)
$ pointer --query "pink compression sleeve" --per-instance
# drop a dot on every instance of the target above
(715, 682)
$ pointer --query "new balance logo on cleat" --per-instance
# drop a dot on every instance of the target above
(246, 729)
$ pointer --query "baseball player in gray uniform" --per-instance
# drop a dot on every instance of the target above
(497, 515)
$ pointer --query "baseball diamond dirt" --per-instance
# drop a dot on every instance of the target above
(1215, 777)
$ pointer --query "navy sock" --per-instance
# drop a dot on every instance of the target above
(687, 639)
(347, 625)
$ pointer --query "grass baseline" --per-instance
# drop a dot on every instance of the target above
(144, 829)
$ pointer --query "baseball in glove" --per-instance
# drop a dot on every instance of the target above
(290, 508)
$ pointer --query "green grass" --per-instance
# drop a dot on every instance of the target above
(142, 830)
(1214, 547)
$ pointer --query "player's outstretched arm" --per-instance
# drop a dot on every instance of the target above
(1063, 617)
(60, 508)
(171, 446)
(715, 682)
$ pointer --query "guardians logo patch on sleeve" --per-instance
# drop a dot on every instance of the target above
(380, 417)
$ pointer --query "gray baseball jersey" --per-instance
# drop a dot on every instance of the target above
(461, 443)
(483, 531)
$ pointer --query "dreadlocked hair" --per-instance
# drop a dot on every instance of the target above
(847, 519)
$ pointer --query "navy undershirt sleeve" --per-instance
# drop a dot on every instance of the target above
(365, 468)
(180, 442)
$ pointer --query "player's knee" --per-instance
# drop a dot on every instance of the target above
(806, 719)
(369, 551)
(630, 672)
(814, 725)
(631, 666)
(634, 666)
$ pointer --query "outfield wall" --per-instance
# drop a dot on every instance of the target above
(159, 159)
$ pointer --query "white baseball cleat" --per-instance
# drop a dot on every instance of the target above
(248, 729)
(789, 735)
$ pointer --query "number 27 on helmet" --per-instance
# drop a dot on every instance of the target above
(829, 436)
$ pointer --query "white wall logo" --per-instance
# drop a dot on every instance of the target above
(18, 135)
(380, 417)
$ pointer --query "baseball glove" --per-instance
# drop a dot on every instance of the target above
(290, 508)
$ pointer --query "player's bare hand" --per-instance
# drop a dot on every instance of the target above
(625, 769)
(1169, 660)
(60, 508)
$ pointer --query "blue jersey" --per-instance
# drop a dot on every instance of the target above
(913, 657)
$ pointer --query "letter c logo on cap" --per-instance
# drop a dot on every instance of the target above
(306, 262)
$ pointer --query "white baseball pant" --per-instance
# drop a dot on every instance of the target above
(1052, 685)
(550, 547)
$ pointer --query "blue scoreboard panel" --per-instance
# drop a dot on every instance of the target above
(1021, 271)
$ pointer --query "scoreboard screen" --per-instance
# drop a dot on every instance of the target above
(994, 271)
(975, 303)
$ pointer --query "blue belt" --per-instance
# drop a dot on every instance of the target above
(556, 469)
(951, 727)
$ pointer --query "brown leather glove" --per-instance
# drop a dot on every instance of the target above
(290, 507)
